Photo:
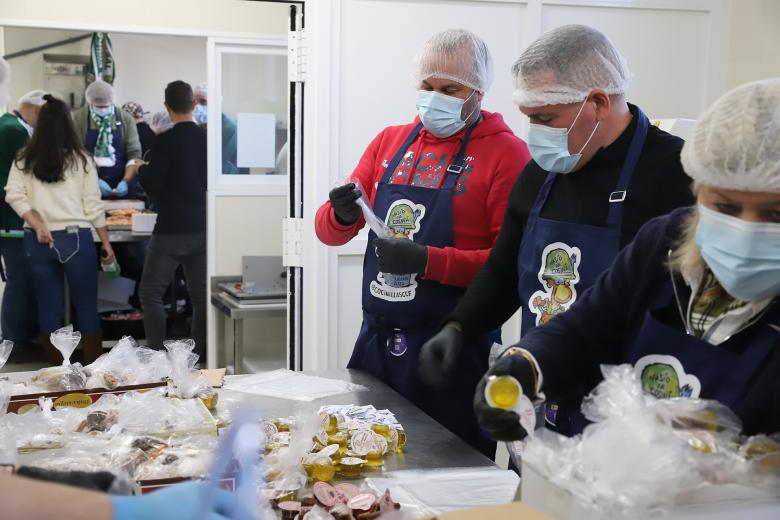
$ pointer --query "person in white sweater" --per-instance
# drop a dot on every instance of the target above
(53, 186)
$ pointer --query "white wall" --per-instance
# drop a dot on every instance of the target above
(145, 63)
(755, 41)
(200, 17)
(675, 49)
(255, 83)
(247, 226)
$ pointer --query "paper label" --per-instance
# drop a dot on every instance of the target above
(75, 400)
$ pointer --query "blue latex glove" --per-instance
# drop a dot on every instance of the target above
(182, 501)
(105, 189)
(121, 189)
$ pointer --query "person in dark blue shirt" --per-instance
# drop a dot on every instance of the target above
(691, 303)
(175, 178)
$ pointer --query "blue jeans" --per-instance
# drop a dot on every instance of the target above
(18, 317)
(49, 275)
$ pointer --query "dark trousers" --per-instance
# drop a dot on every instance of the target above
(78, 262)
(166, 253)
(19, 315)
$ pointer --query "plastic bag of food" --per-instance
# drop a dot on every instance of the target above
(153, 413)
(189, 457)
(6, 347)
(6, 390)
(65, 340)
(128, 364)
(64, 378)
(628, 461)
(188, 381)
(120, 366)
(157, 365)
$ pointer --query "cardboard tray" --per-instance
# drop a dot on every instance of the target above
(74, 398)
(148, 486)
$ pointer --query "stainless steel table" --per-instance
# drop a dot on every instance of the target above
(429, 444)
(237, 313)
(116, 236)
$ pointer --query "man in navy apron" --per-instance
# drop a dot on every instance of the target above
(111, 137)
(692, 302)
(439, 187)
(600, 171)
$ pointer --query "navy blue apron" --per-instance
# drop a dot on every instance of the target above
(671, 363)
(113, 175)
(401, 312)
(557, 261)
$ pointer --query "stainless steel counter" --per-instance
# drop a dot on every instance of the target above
(429, 445)
(116, 236)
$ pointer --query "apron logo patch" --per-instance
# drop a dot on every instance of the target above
(664, 377)
(558, 274)
(403, 219)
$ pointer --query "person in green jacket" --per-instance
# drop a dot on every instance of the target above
(18, 312)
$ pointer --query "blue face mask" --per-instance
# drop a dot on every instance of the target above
(743, 256)
(102, 111)
(549, 147)
(441, 114)
(200, 114)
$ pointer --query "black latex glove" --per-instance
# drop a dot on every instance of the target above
(504, 425)
(344, 206)
(439, 357)
(98, 481)
(400, 256)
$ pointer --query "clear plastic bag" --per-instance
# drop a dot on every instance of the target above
(188, 381)
(6, 390)
(153, 413)
(187, 457)
(641, 453)
(65, 340)
(64, 378)
(376, 224)
(6, 347)
(127, 364)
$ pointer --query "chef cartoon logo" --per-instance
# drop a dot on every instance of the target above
(403, 219)
(558, 275)
(665, 377)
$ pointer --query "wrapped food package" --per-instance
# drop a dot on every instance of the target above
(188, 381)
(641, 453)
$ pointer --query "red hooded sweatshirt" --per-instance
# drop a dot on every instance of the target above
(494, 159)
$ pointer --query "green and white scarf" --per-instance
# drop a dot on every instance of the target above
(104, 151)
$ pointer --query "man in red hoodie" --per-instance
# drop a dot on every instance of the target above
(440, 184)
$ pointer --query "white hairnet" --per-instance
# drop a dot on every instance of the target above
(457, 55)
(735, 145)
(201, 89)
(161, 121)
(34, 97)
(5, 79)
(565, 64)
(99, 93)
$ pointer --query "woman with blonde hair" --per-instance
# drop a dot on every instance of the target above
(692, 302)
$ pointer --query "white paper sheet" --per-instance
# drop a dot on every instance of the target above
(433, 492)
(256, 140)
(286, 384)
